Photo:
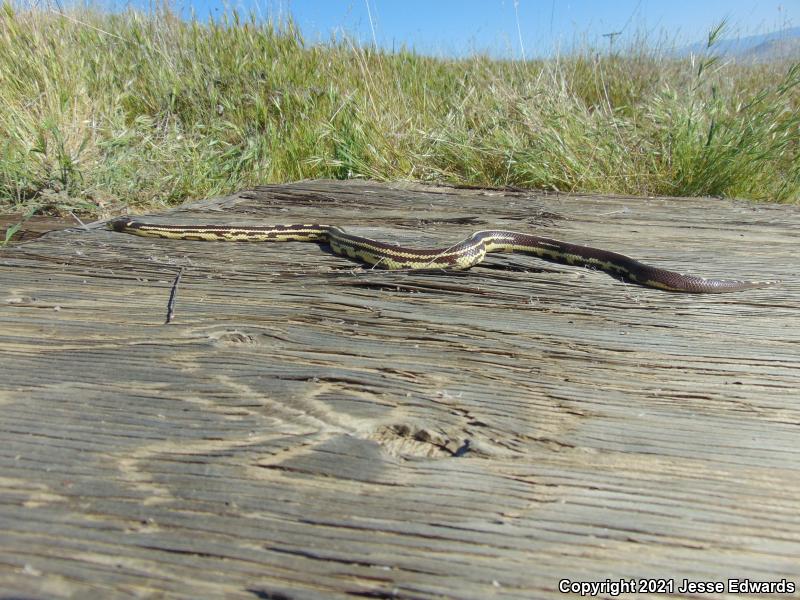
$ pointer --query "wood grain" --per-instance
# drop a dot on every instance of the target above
(306, 428)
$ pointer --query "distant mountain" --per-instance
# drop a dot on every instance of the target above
(777, 45)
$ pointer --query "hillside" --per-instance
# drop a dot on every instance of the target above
(774, 46)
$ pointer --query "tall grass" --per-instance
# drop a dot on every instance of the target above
(101, 110)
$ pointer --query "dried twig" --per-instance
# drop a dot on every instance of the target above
(83, 225)
(173, 293)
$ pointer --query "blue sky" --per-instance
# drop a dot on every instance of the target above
(506, 27)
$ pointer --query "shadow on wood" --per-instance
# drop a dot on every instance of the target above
(306, 428)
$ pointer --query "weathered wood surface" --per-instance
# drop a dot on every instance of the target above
(30, 228)
(298, 431)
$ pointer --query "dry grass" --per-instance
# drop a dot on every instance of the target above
(103, 110)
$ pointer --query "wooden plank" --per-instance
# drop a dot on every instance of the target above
(307, 428)
(28, 228)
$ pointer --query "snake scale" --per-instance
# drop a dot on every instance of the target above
(462, 255)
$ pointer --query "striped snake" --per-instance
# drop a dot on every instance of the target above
(463, 255)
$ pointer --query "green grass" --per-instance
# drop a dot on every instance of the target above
(102, 111)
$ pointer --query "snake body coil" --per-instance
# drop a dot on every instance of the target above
(463, 255)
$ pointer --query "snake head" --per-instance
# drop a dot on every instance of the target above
(120, 224)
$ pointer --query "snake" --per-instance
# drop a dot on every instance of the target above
(459, 256)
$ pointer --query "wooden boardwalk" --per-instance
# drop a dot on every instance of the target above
(305, 428)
